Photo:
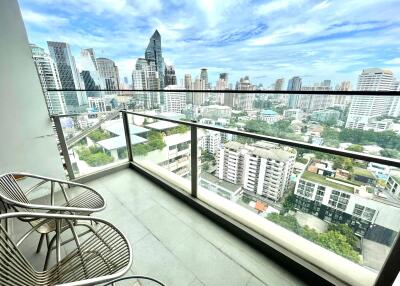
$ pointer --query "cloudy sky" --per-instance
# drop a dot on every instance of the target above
(321, 39)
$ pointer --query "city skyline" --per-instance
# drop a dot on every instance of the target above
(269, 41)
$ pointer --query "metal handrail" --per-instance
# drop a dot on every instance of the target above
(328, 92)
(288, 142)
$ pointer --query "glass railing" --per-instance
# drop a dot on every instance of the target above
(304, 178)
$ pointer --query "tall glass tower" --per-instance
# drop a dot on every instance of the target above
(154, 53)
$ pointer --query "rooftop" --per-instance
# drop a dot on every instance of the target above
(117, 127)
(268, 112)
(119, 142)
(215, 180)
(327, 181)
(162, 125)
(363, 172)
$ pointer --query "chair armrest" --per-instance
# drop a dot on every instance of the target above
(52, 207)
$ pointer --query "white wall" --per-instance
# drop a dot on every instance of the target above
(27, 141)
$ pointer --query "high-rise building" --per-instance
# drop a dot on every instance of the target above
(68, 74)
(49, 79)
(89, 73)
(204, 77)
(154, 53)
(263, 169)
(146, 77)
(313, 102)
(224, 76)
(170, 77)
(174, 101)
(188, 81)
(279, 84)
(342, 99)
(108, 71)
(294, 84)
(363, 108)
(243, 101)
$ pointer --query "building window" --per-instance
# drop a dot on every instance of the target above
(305, 189)
(339, 200)
(364, 212)
(320, 193)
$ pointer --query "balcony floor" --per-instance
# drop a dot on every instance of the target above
(177, 245)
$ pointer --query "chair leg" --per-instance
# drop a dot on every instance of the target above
(39, 247)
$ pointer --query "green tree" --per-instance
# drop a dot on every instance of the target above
(390, 153)
(355, 148)
(98, 135)
(289, 203)
(347, 232)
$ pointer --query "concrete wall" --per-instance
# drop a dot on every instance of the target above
(27, 140)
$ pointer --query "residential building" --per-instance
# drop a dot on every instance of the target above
(313, 102)
(61, 54)
(154, 53)
(242, 101)
(326, 116)
(363, 108)
(108, 71)
(145, 76)
(269, 116)
(279, 84)
(49, 79)
(174, 101)
(216, 111)
(263, 169)
(223, 188)
(342, 99)
(295, 114)
(102, 104)
(188, 81)
(211, 142)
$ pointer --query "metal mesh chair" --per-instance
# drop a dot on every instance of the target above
(101, 257)
(135, 277)
(14, 197)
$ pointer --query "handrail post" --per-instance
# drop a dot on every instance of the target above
(127, 135)
(64, 148)
(193, 153)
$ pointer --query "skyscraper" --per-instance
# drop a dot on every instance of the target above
(49, 79)
(363, 108)
(68, 73)
(188, 81)
(224, 76)
(154, 53)
(89, 74)
(204, 77)
(146, 77)
(294, 84)
(170, 77)
(279, 84)
(109, 73)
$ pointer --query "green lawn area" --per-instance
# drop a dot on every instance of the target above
(324, 181)
(363, 172)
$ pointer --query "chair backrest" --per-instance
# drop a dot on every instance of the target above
(15, 269)
(9, 189)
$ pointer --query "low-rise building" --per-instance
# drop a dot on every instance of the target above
(216, 111)
(223, 188)
(295, 114)
(326, 115)
(341, 201)
(393, 186)
(269, 116)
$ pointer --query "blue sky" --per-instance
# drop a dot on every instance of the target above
(266, 40)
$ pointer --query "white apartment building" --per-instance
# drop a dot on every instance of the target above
(174, 101)
(263, 169)
(295, 114)
(49, 79)
(145, 76)
(100, 104)
(365, 107)
(211, 142)
(216, 111)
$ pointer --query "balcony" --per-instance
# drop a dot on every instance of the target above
(125, 157)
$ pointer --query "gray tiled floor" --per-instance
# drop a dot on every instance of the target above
(176, 244)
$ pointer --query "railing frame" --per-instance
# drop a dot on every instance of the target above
(391, 266)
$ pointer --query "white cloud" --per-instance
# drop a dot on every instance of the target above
(394, 61)
(276, 5)
(39, 19)
(321, 6)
